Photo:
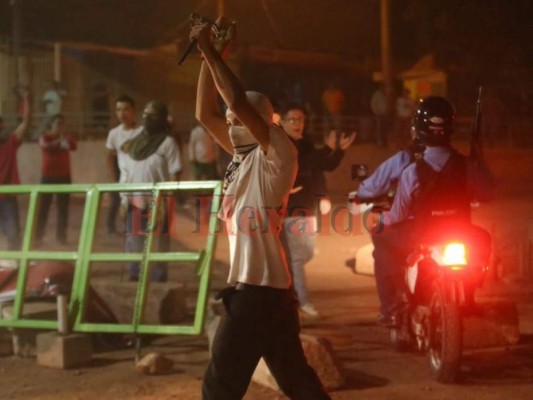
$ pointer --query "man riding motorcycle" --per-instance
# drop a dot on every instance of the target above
(434, 191)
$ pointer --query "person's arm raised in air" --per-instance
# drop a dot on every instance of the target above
(23, 127)
(207, 110)
(229, 87)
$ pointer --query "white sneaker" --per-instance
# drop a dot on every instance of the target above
(309, 311)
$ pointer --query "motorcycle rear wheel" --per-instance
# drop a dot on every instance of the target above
(446, 344)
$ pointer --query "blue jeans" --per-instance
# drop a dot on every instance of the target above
(9, 221)
(298, 239)
(114, 206)
(136, 231)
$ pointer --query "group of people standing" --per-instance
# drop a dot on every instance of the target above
(56, 144)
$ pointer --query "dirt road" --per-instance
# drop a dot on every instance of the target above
(348, 304)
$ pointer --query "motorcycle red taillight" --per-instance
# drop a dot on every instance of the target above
(454, 255)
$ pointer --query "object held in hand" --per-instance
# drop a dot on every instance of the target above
(222, 30)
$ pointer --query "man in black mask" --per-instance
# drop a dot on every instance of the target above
(153, 156)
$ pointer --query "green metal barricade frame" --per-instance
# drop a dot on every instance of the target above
(84, 256)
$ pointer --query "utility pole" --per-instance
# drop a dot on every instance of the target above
(220, 7)
(386, 63)
(15, 9)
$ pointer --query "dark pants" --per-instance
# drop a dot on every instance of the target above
(136, 233)
(392, 245)
(9, 221)
(260, 322)
(62, 200)
(114, 206)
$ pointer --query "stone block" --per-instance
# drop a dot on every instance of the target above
(491, 323)
(63, 351)
(6, 343)
(321, 358)
(25, 338)
(165, 302)
(154, 364)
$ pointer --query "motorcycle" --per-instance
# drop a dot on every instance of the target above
(440, 279)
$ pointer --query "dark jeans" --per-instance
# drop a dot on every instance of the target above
(62, 200)
(114, 206)
(260, 322)
(9, 220)
(392, 245)
(136, 232)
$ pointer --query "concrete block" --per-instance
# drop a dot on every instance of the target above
(492, 323)
(63, 351)
(6, 343)
(165, 303)
(25, 338)
(154, 364)
(320, 357)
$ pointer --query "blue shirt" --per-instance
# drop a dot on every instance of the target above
(379, 182)
(479, 179)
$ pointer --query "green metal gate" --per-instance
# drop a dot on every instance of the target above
(84, 255)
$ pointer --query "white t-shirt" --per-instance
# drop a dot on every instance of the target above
(116, 138)
(158, 167)
(253, 207)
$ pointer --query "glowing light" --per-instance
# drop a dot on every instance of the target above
(454, 254)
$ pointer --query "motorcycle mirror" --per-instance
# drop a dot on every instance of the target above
(359, 172)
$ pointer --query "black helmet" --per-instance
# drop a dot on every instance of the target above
(433, 120)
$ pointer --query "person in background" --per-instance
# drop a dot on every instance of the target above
(56, 146)
(151, 157)
(9, 144)
(333, 101)
(378, 105)
(126, 130)
(203, 154)
(405, 108)
(307, 198)
(52, 103)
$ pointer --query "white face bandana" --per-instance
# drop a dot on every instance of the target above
(242, 140)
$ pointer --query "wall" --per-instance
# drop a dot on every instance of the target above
(88, 163)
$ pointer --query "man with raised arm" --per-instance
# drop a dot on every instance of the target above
(262, 318)
(9, 175)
